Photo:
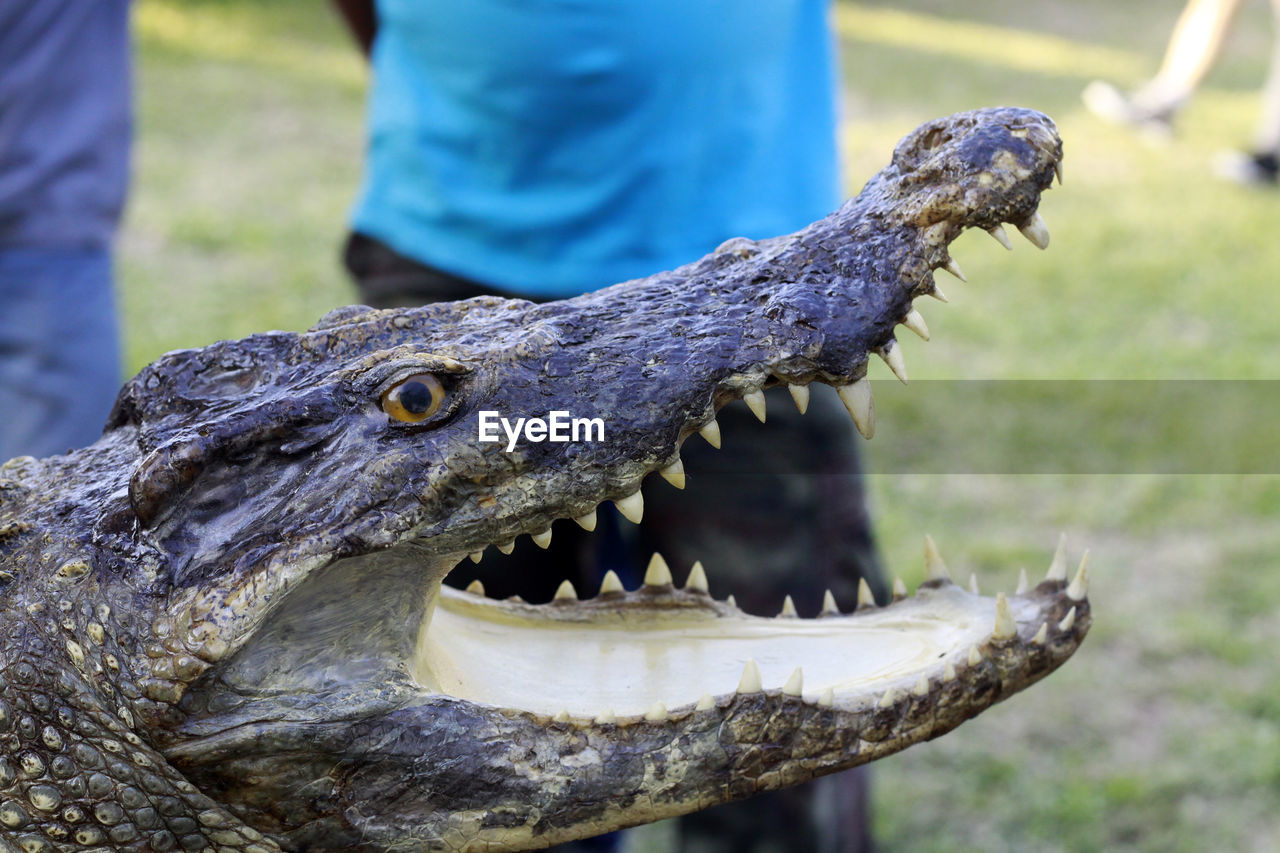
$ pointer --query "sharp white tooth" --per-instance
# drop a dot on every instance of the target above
(1042, 636)
(922, 686)
(899, 589)
(788, 608)
(973, 584)
(658, 573)
(829, 607)
(587, 521)
(566, 592)
(711, 432)
(865, 598)
(1036, 231)
(1080, 583)
(731, 601)
(606, 718)
(477, 556)
(827, 699)
(975, 656)
(889, 698)
(856, 397)
(755, 402)
(1022, 582)
(1068, 621)
(543, 539)
(892, 355)
(476, 588)
(674, 473)
(915, 322)
(706, 703)
(795, 684)
(934, 568)
(751, 682)
(1058, 568)
(611, 584)
(954, 268)
(949, 672)
(800, 393)
(657, 713)
(697, 580)
(1005, 628)
(562, 717)
(937, 293)
(1057, 170)
(508, 548)
(1001, 237)
(631, 507)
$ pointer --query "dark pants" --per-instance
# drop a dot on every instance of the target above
(780, 510)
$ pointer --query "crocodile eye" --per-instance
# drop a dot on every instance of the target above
(414, 399)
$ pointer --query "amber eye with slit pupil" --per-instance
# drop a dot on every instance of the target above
(414, 399)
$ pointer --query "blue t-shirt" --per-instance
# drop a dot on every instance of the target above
(551, 147)
(65, 122)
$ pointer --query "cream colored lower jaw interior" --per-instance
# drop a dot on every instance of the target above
(487, 653)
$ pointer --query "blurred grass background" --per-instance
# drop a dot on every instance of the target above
(1164, 732)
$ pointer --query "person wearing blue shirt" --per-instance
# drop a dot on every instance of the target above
(65, 128)
(544, 149)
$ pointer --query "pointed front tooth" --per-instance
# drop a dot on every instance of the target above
(795, 684)
(508, 548)
(865, 598)
(607, 717)
(954, 268)
(829, 607)
(922, 686)
(949, 672)
(1001, 237)
(1058, 568)
(543, 539)
(973, 584)
(827, 699)
(706, 703)
(915, 322)
(1005, 628)
(477, 556)
(657, 713)
(587, 521)
(1057, 170)
(697, 580)
(711, 432)
(975, 656)
(892, 355)
(631, 507)
(899, 589)
(856, 397)
(565, 592)
(889, 699)
(1080, 583)
(1022, 582)
(658, 573)
(674, 473)
(937, 293)
(1068, 621)
(1036, 231)
(788, 608)
(1042, 636)
(751, 682)
(755, 402)
(732, 601)
(611, 584)
(800, 393)
(934, 568)
(476, 588)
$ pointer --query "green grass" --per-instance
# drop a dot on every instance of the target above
(1164, 732)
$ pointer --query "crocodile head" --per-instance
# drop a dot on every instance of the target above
(242, 579)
